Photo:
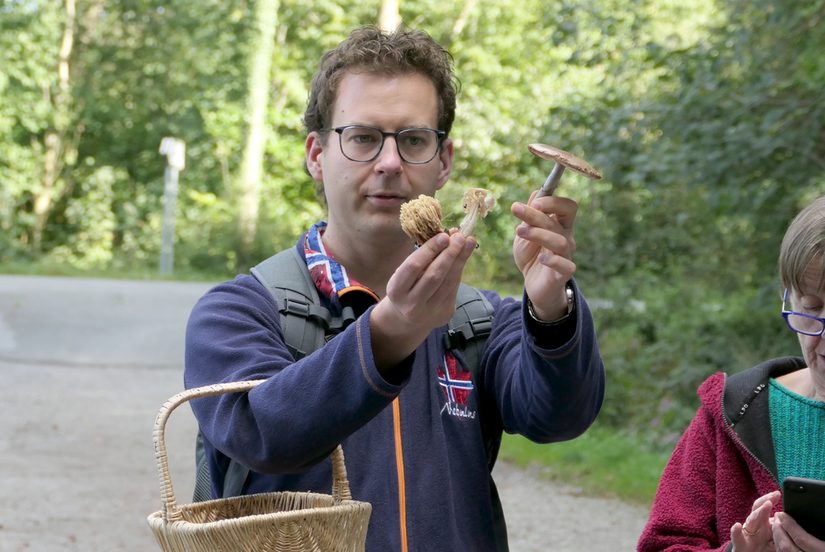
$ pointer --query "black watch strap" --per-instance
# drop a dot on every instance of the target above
(571, 306)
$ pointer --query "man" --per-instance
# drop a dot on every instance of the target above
(378, 119)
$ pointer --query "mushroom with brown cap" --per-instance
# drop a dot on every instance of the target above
(564, 160)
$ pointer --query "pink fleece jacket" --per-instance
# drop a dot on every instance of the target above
(713, 477)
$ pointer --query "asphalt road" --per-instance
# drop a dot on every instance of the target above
(87, 363)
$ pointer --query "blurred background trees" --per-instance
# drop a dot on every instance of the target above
(707, 119)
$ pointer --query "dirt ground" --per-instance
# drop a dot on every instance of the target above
(87, 363)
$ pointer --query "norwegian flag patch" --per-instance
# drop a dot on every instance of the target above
(456, 384)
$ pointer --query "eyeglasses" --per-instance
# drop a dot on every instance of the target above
(364, 143)
(805, 324)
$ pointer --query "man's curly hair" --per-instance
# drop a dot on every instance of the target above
(371, 50)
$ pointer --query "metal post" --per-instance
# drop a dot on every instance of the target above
(175, 152)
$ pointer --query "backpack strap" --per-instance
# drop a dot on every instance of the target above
(304, 321)
(468, 331)
(233, 480)
(305, 324)
(470, 326)
(203, 486)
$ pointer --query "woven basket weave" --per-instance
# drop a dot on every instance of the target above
(266, 522)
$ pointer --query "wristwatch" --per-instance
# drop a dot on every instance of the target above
(571, 304)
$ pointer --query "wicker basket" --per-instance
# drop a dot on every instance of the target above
(266, 522)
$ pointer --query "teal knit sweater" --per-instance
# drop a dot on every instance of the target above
(798, 429)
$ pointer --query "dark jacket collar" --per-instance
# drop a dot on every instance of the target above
(745, 406)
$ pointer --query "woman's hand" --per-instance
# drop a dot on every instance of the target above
(788, 536)
(756, 534)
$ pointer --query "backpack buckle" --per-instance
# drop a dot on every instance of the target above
(476, 328)
(298, 308)
(455, 339)
(481, 327)
(306, 310)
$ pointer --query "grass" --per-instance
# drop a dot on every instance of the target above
(602, 462)
(52, 268)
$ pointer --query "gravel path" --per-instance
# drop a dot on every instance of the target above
(544, 515)
(87, 363)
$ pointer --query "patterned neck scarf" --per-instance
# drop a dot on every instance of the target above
(331, 278)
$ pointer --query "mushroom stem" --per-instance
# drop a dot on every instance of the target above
(552, 181)
(477, 203)
(468, 225)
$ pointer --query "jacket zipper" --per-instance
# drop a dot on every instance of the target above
(738, 440)
(399, 466)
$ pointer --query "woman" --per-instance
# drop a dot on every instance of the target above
(720, 489)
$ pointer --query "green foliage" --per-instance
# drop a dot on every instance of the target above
(602, 462)
(706, 163)
(26, 80)
(90, 222)
(662, 339)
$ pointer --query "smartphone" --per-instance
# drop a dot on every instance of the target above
(804, 501)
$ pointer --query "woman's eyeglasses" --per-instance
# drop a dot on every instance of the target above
(805, 324)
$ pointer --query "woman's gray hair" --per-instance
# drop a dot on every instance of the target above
(803, 245)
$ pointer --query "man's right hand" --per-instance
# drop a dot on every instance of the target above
(420, 297)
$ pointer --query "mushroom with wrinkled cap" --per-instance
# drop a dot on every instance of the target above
(421, 218)
(563, 160)
(477, 203)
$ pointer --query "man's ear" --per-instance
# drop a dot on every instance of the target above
(314, 148)
(445, 157)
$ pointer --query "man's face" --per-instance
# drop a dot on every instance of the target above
(364, 198)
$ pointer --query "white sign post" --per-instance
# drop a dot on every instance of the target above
(175, 152)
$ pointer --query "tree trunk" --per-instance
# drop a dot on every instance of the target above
(461, 22)
(258, 87)
(390, 17)
(55, 136)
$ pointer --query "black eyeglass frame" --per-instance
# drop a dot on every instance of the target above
(787, 313)
(440, 136)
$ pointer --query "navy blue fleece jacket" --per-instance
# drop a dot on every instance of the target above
(412, 435)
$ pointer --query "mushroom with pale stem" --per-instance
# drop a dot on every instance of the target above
(477, 203)
(564, 160)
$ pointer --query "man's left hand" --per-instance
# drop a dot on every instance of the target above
(543, 250)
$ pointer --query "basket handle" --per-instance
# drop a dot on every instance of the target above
(171, 512)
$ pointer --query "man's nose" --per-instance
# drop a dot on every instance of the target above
(389, 159)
